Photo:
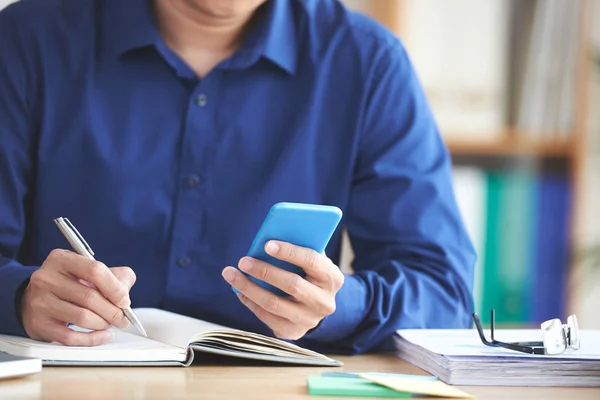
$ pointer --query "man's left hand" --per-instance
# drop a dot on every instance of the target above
(312, 298)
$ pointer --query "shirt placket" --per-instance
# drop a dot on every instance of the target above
(189, 227)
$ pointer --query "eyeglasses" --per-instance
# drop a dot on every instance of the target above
(557, 337)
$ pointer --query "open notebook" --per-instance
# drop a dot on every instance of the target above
(173, 339)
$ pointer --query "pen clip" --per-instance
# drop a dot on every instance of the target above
(74, 237)
(72, 227)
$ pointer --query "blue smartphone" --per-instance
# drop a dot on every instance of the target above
(306, 225)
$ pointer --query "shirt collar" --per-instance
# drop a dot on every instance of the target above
(279, 29)
(130, 25)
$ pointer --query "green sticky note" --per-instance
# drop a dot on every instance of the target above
(342, 386)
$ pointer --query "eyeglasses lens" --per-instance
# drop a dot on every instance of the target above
(555, 340)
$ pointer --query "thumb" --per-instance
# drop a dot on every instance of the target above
(125, 275)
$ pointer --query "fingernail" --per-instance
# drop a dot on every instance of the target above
(229, 274)
(109, 336)
(125, 302)
(272, 248)
(246, 264)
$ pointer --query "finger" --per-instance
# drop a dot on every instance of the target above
(316, 265)
(66, 312)
(58, 332)
(272, 303)
(94, 272)
(282, 328)
(305, 292)
(83, 282)
(125, 275)
(89, 298)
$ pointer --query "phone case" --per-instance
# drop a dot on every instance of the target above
(306, 225)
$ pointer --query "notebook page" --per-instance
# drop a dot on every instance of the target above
(174, 329)
(266, 344)
(125, 347)
(180, 331)
(218, 342)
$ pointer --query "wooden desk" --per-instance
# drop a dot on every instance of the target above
(229, 379)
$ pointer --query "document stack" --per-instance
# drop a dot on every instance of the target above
(458, 357)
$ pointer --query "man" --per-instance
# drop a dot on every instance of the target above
(166, 129)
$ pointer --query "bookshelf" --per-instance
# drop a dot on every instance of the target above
(511, 143)
(511, 146)
(390, 14)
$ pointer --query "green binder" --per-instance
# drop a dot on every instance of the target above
(508, 253)
(491, 288)
(516, 246)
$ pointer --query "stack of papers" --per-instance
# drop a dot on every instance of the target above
(458, 357)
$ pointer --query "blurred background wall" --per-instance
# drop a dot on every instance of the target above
(515, 88)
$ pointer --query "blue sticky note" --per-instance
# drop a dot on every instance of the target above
(334, 374)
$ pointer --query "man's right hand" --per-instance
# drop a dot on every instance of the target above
(69, 288)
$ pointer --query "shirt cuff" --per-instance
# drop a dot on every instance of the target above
(350, 302)
(12, 278)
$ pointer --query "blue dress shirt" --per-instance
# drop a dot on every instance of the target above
(172, 175)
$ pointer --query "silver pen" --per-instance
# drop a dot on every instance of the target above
(81, 247)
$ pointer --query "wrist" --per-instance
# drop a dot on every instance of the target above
(19, 296)
(351, 306)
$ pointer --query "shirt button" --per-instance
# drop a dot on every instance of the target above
(184, 261)
(193, 181)
(201, 100)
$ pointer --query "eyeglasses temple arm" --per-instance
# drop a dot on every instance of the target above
(492, 323)
(511, 346)
(522, 349)
(480, 331)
